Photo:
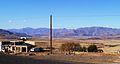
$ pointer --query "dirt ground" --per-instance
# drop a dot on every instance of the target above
(83, 58)
(6, 59)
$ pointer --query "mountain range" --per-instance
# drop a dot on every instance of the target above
(10, 35)
(86, 31)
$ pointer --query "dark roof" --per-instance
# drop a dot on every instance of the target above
(6, 43)
(22, 43)
(16, 43)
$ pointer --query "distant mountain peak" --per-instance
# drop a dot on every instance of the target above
(84, 31)
(9, 34)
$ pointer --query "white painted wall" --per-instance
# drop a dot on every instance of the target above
(30, 42)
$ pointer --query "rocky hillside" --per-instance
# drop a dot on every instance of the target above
(86, 31)
(8, 34)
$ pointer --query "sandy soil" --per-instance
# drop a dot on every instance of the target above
(6, 59)
(87, 58)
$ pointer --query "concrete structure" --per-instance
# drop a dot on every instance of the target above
(16, 46)
(30, 42)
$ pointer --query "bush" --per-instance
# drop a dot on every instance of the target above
(70, 47)
(92, 48)
(84, 49)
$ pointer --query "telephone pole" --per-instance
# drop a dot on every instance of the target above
(51, 34)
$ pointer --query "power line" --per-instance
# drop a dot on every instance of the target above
(91, 16)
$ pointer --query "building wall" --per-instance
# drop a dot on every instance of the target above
(30, 42)
(11, 48)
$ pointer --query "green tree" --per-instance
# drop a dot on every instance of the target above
(92, 48)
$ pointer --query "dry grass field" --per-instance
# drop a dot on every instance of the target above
(110, 55)
(108, 45)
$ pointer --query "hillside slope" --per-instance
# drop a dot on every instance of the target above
(8, 34)
(86, 31)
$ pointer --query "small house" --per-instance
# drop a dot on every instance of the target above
(15, 46)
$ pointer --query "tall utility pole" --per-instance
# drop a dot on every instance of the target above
(51, 34)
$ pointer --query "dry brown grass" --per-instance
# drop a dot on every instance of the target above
(100, 43)
(101, 58)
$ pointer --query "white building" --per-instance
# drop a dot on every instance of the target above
(16, 46)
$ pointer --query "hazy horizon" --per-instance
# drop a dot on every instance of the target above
(60, 28)
(66, 13)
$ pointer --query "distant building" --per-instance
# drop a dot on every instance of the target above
(16, 46)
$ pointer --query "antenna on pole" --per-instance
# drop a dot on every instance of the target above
(51, 34)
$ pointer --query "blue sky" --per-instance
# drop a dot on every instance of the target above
(66, 13)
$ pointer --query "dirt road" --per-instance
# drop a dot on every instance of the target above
(26, 60)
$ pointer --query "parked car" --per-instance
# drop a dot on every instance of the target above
(36, 50)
